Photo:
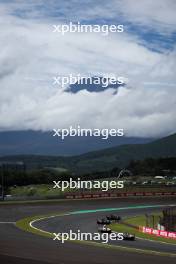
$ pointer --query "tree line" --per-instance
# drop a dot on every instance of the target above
(148, 167)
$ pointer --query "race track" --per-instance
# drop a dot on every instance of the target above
(17, 246)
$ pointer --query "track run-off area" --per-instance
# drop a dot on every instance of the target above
(39, 221)
(85, 221)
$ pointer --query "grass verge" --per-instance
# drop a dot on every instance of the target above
(138, 221)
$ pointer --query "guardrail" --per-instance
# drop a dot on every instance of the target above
(116, 195)
(159, 233)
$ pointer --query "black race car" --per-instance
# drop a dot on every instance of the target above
(127, 236)
(104, 229)
(113, 217)
(103, 221)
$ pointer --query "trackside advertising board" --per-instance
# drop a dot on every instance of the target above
(156, 232)
(111, 195)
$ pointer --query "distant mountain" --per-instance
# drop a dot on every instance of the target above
(121, 156)
(43, 143)
(106, 159)
(94, 84)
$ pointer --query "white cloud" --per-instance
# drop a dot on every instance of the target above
(158, 14)
(30, 53)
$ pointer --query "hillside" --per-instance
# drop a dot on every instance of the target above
(120, 156)
(101, 160)
(43, 143)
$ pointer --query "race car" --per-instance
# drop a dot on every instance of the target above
(104, 229)
(103, 221)
(124, 236)
(127, 236)
(113, 217)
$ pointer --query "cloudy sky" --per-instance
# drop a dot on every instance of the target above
(145, 53)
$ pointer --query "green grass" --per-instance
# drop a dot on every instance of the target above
(47, 190)
(138, 221)
(38, 190)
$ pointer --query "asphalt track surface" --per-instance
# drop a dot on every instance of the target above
(17, 246)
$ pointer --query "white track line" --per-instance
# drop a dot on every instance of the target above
(36, 220)
(47, 217)
(7, 222)
(157, 241)
(42, 218)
